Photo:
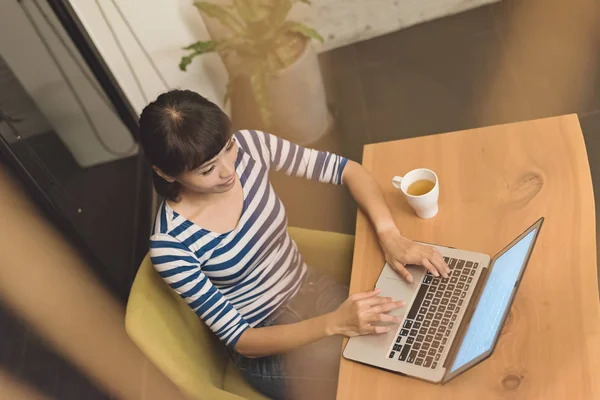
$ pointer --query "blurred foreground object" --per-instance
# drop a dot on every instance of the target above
(13, 389)
(45, 283)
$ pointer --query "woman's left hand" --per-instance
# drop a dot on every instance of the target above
(400, 251)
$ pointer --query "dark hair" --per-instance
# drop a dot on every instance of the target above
(180, 131)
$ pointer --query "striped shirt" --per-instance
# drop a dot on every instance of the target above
(234, 280)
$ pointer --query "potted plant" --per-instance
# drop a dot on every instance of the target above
(272, 56)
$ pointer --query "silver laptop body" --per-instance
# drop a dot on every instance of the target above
(449, 325)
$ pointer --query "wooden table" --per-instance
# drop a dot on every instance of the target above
(495, 182)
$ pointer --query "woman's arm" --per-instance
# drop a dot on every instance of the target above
(367, 194)
(399, 251)
(261, 342)
(180, 269)
(291, 159)
(354, 317)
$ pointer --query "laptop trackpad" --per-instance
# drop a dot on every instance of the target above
(394, 286)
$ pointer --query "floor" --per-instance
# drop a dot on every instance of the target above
(510, 61)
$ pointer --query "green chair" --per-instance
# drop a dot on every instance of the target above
(184, 349)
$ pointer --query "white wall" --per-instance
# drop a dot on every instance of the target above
(342, 22)
(162, 27)
(58, 98)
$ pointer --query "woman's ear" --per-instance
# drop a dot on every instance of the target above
(160, 173)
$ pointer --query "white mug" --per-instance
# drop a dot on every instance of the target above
(426, 206)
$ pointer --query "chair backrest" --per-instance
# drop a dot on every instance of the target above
(165, 328)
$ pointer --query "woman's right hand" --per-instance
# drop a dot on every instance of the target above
(356, 315)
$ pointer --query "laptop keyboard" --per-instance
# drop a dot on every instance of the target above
(432, 317)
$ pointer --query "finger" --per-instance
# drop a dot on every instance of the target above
(438, 261)
(440, 269)
(437, 255)
(403, 272)
(383, 308)
(383, 318)
(365, 295)
(370, 329)
(429, 266)
(373, 301)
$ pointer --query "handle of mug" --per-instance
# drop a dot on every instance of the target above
(396, 181)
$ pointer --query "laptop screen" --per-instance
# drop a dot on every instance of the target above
(495, 297)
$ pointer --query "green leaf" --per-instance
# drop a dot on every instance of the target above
(185, 61)
(198, 49)
(304, 30)
(203, 46)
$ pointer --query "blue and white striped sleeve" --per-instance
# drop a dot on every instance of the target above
(295, 160)
(179, 267)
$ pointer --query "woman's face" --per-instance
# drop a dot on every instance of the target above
(215, 176)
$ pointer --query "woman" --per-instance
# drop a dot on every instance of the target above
(220, 240)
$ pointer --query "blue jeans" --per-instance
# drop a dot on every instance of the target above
(311, 371)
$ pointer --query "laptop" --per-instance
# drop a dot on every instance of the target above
(449, 325)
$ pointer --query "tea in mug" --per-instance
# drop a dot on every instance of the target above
(420, 187)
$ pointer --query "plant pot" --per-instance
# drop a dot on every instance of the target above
(297, 101)
(296, 94)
